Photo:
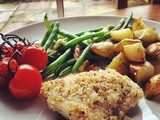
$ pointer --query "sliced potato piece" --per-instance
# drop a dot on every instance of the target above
(141, 72)
(138, 24)
(120, 63)
(147, 36)
(135, 52)
(104, 49)
(152, 87)
(127, 41)
(121, 34)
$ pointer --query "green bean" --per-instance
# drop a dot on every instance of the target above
(65, 71)
(52, 36)
(120, 24)
(46, 36)
(107, 34)
(77, 40)
(63, 66)
(92, 30)
(67, 34)
(127, 20)
(51, 68)
(110, 27)
(84, 44)
(81, 59)
(53, 53)
(72, 36)
(46, 23)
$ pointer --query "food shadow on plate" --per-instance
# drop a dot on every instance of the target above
(156, 99)
(13, 103)
(135, 113)
(36, 109)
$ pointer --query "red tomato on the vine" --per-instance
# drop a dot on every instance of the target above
(7, 51)
(26, 83)
(5, 74)
(34, 55)
(19, 45)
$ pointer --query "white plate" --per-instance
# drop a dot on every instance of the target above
(11, 109)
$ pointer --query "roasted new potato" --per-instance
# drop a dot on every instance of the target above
(152, 87)
(104, 49)
(127, 41)
(142, 72)
(135, 52)
(120, 63)
(153, 50)
(138, 24)
(121, 34)
(147, 36)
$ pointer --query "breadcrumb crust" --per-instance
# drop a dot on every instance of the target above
(94, 95)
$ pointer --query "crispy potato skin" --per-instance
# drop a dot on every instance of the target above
(142, 72)
(153, 50)
(104, 49)
(152, 87)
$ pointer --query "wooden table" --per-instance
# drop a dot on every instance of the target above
(151, 12)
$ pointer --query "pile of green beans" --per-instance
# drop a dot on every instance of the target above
(62, 59)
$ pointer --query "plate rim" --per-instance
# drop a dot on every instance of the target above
(75, 17)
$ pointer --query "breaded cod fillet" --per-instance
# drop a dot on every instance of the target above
(94, 95)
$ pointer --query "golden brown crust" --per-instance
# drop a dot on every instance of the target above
(94, 95)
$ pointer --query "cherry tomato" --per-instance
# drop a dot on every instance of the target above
(5, 74)
(34, 55)
(26, 83)
(19, 45)
(7, 51)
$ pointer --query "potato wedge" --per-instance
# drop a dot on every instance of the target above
(147, 36)
(120, 63)
(127, 41)
(135, 52)
(121, 34)
(142, 72)
(104, 49)
(152, 87)
(138, 24)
